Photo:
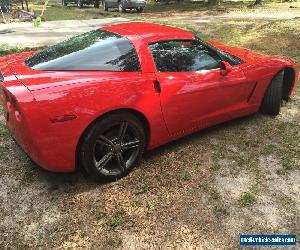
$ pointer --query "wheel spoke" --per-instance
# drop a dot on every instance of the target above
(105, 141)
(121, 162)
(122, 131)
(131, 145)
(104, 160)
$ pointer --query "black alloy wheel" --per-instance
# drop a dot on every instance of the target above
(113, 146)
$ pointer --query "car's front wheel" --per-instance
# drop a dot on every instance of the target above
(112, 146)
(272, 100)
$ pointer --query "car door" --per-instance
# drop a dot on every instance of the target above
(192, 86)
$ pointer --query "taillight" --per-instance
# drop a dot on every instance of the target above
(18, 115)
(11, 104)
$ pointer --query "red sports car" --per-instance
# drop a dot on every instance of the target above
(98, 100)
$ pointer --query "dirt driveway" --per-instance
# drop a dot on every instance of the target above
(26, 35)
(199, 192)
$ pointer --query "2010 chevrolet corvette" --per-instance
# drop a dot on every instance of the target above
(98, 100)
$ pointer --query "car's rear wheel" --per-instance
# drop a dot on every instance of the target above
(272, 100)
(121, 7)
(139, 9)
(112, 146)
(105, 8)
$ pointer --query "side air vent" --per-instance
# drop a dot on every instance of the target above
(1, 77)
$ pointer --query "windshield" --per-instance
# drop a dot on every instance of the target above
(94, 50)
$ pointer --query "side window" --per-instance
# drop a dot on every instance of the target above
(182, 56)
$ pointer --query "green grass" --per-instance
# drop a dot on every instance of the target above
(151, 205)
(113, 241)
(184, 175)
(142, 188)
(7, 50)
(115, 222)
(4, 132)
(247, 198)
(136, 203)
(98, 214)
(56, 13)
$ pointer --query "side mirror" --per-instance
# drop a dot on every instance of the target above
(227, 68)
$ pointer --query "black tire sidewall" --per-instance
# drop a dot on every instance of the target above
(272, 99)
(92, 134)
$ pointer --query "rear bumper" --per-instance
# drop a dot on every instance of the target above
(39, 146)
(45, 143)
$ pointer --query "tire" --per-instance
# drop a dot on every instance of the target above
(121, 7)
(140, 9)
(80, 4)
(112, 146)
(64, 3)
(272, 100)
(105, 8)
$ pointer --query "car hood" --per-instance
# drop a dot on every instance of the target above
(246, 55)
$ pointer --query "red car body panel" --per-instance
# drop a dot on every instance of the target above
(50, 110)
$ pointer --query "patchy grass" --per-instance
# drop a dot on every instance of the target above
(142, 188)
(114, 241)
(58, 12)
(115, 222)
(7, 50)
(247, 198)
(55, 13)
(4, 133)
(288, 202)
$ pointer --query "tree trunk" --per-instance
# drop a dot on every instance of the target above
(26, 1)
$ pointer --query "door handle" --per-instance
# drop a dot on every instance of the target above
(156, 85)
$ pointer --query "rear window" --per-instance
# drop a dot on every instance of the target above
(94, 50)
